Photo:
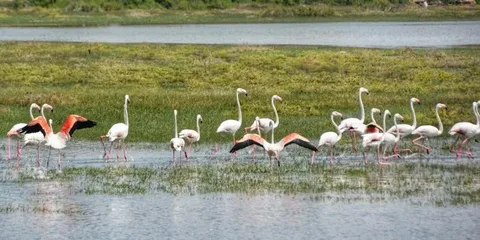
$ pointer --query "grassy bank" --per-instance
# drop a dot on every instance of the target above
(313, 82)
(277, 14)
(415, 182)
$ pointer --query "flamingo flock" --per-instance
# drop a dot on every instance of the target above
(39, 131)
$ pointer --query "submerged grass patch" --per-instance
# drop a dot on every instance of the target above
(91, 79)
(433, 183)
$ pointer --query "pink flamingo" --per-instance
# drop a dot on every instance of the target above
(177, 144)
(467, 130)
(390, 139)
(354, 125)
(429, 131)
(331, 138)
(191, 136)
(36, 138)
(405, 129)
(117, 133)
(375, 139)
(12, 133)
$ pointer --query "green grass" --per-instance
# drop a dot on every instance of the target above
(241, 14)
(313, 82)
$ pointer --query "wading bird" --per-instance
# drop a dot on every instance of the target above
(331, 138)
(13, 134)
(273, 148)
(191, 136)
(177, 144)
(466, 130)
(263, 124)
(374, 140)
(429, 131)
(117, 133)
(405, 129)
(391, 139)
(36, 138)
(355, 125)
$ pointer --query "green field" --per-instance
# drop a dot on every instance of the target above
(196, 79)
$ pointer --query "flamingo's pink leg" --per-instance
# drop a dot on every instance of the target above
(385, 157)
(38, 156)
(378, 158)
(110, 151)
(104, 148)
(8, 148)
(420, 145)
(313, 157)
(59, 160)
(124, 150)
(451, 148)
(459, 151)
(365, 154)
(19, 152)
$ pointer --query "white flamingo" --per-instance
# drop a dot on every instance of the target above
(263, 124)
(12, 133)
(391, 139)
(177, 144)
(273, 148)
(355, 125)
(429, 131)
(58, 140)
(231, 126)
(117, 133)
(467, 130)
(191, 136)
(375, 140)
(37, 138)
(331, 138)
(405, 129)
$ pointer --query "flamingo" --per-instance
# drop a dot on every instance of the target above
(374, 139)
(273, 148)
(177, 144)
(390, 139)
(117, 133)
(12, 133)
(36, 138)
(428, 131)
(331, 138)
(362, 128)
(191, 136)
(231, 126)
(263, 124)
(58, 140)
(353, 125)
(405, 129)
(467, 130)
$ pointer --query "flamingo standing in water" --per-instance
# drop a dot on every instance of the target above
(117, 133)
(375, 139)
(58, 140)
(429, 131)
(354, 125)
(405, 129)
(273, 148)
(177, 144)
(12, 133)
(467, 130)
(331, 138)
(390, 139)
(231, 126)
(263, 124)
(36, 138)
(191, 136)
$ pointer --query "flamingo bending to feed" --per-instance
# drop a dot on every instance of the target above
(390, 139)
(467, 130)
(117, 133)
(191, 136)
(177, 144)
(36, 138)
(405, 129)
(429, 131)
(354, 125)
(273, 148)
(331, 138)
(58, 140)
(231, 126)
(375, 140)
(263, 124)
(12, 133)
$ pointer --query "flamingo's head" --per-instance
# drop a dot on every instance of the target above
(398, 117)
(47, 106)
(441, 105)
(127, 98)
(199, 118)
(276, 97)
(376, 110)
(415, 100)
(175, 112)
(337, 114)
(364, 90)
(34, 105)
(387, 113)
(177, 144)
(241, 90)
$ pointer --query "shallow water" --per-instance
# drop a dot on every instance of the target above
(346, 34)
(54, 209)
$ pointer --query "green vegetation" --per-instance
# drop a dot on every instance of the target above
(427, 183)
(98, 15)
(195, 79)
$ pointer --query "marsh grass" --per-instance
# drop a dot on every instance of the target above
(436, 183)
(197, 79)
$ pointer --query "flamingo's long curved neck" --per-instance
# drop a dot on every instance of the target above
(385, 122)
(477, 115)
(125, 113)
(239, 110)
(397, 132)
(372, 115)
(31, 109)
(414, 122)
(336, 127)
(273, 136)
(440, 125)
(198, 128)
(176, 131)
(362, 109)
(277, 120)
(42, 111)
